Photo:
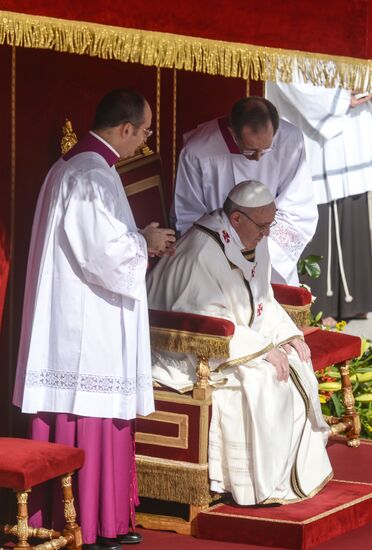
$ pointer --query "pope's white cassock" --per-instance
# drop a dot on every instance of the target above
(84, 363)
(338, 146)
(210, 164)
(267, 438)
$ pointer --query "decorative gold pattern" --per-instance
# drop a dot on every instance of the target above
(40, 532)
(338, 428)
(22, 528)
(182, 341)
(66, 480)
(203, 433)
(54, 544)
(173, 480)
(22, 497)
(287, 340)
(189, 53)
(300, 315)
(174, 136)
(143, 185)
(10, 324)
(353, 442)
(69, 138)
(179, 442)
(300, 499)
(245, 359)
(202, 371)
(158, 92)
(69, 511)
(344, 369)
(9, 529)
(170, 397)
(348, 397)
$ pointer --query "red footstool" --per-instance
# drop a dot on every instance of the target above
(25, 463)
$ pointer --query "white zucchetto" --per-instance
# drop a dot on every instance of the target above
(251, 194)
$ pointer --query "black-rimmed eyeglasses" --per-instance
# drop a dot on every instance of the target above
(261, 226)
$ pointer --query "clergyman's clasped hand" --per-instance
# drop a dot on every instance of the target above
(160, 241)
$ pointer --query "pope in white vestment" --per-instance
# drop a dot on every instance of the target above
(212, 161)
(267, 435)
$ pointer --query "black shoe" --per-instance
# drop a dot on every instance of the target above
(130, 538)
(104, 543)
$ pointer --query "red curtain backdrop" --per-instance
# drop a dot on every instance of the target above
(338, 27)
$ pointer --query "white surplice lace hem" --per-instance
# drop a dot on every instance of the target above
(87, 382)
(288, 239)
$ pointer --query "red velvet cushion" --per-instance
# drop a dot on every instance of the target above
(191, 322)
(25, 463)
(292, 295)
(328, 348)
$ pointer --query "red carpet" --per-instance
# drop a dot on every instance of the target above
(343, 505)
(162, 540)
(350, 465)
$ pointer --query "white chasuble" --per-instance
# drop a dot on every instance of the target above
(265, 435)
(210, 165)
(84, 345)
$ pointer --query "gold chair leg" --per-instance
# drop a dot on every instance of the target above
(351, 417)
(22, 520)
(72, 531)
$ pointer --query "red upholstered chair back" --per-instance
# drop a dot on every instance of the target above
(142, 180)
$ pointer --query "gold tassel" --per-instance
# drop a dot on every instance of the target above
(189, 53)
(171, 480)
(180, 341)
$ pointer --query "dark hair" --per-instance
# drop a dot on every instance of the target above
(229, 207)
(255, 112)
(119, 106)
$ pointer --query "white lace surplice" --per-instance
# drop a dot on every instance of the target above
(85, 340)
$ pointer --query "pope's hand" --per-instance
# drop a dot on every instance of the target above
(301, 347)
(159, 240)
(278, 358)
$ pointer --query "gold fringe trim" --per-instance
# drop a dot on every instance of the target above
(182, 341)
(173, 480)
(230, 59)
(300, 315)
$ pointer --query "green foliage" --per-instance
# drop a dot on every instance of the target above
(361, 379)
(309, 266)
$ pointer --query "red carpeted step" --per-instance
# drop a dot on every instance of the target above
(340, 507)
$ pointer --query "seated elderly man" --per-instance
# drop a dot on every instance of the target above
(267, 436)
